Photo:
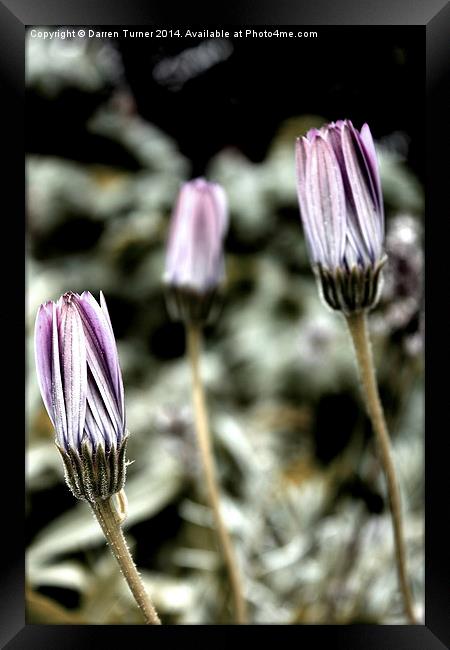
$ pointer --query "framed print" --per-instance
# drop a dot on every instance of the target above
(228, 237)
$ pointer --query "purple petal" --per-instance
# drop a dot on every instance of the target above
(312, 134)
(316, 249)
(352, 254)
(104, 309)
(368, 147)
(357, 248)
(340, 123)
(93, 433)
(364, 162)
(335, 140)
(73, 360)
(101, 355)
(59, 408)
(326, 200)
(99, 335)
(43, 354)
(361, 195)
(99, 426)
(195, 247)
(220, 206)
(205, 244)
(179, 229)
(119, 381)
(301, 154)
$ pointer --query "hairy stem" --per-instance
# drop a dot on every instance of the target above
(204, 442)
(357, 324)
(108, 520)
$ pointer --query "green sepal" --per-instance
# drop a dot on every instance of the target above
(94, 474)
(191, 306)
(121, 465)
(350, 290)
(71, 475)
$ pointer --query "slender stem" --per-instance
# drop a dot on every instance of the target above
(194, 336)
(104, 511)
(357, 324)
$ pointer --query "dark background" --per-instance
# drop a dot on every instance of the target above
(360, 73)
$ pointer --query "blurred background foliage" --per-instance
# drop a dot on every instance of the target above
(113, 128)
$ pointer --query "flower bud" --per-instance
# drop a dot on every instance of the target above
(341, 205)
(194, 260)
(81, 386)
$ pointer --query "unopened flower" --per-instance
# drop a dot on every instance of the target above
(341, 205)
(195, 267)
(81, 386)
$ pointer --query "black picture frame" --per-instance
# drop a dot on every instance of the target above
(434, 16)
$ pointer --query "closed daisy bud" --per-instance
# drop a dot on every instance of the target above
(81, 386)
(194, 267)
(341, 205)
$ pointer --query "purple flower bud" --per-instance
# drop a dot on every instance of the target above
(194, 260)
(81, 385)
(341, 205)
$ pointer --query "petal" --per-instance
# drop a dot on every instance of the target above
(104, 309)
(358, 248)
(178, 232)
(367, 145)
(316, 249)
(119, 381)
(352, 256)
(356, 252)
(195, 269)
(74, 375)
(335, 140)
(361, 195)
(101, 355)
(99, 426)
(365, 166)
(340, 123)
(312, 134)
(302, 148)
(220, 206)
(207, 233)
(326, 200)
(59, 407)
(195, 245)
(43, 354)
(93, 432)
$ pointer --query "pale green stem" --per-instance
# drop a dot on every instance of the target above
(108, 520)
(204, 442)
(357, 324)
